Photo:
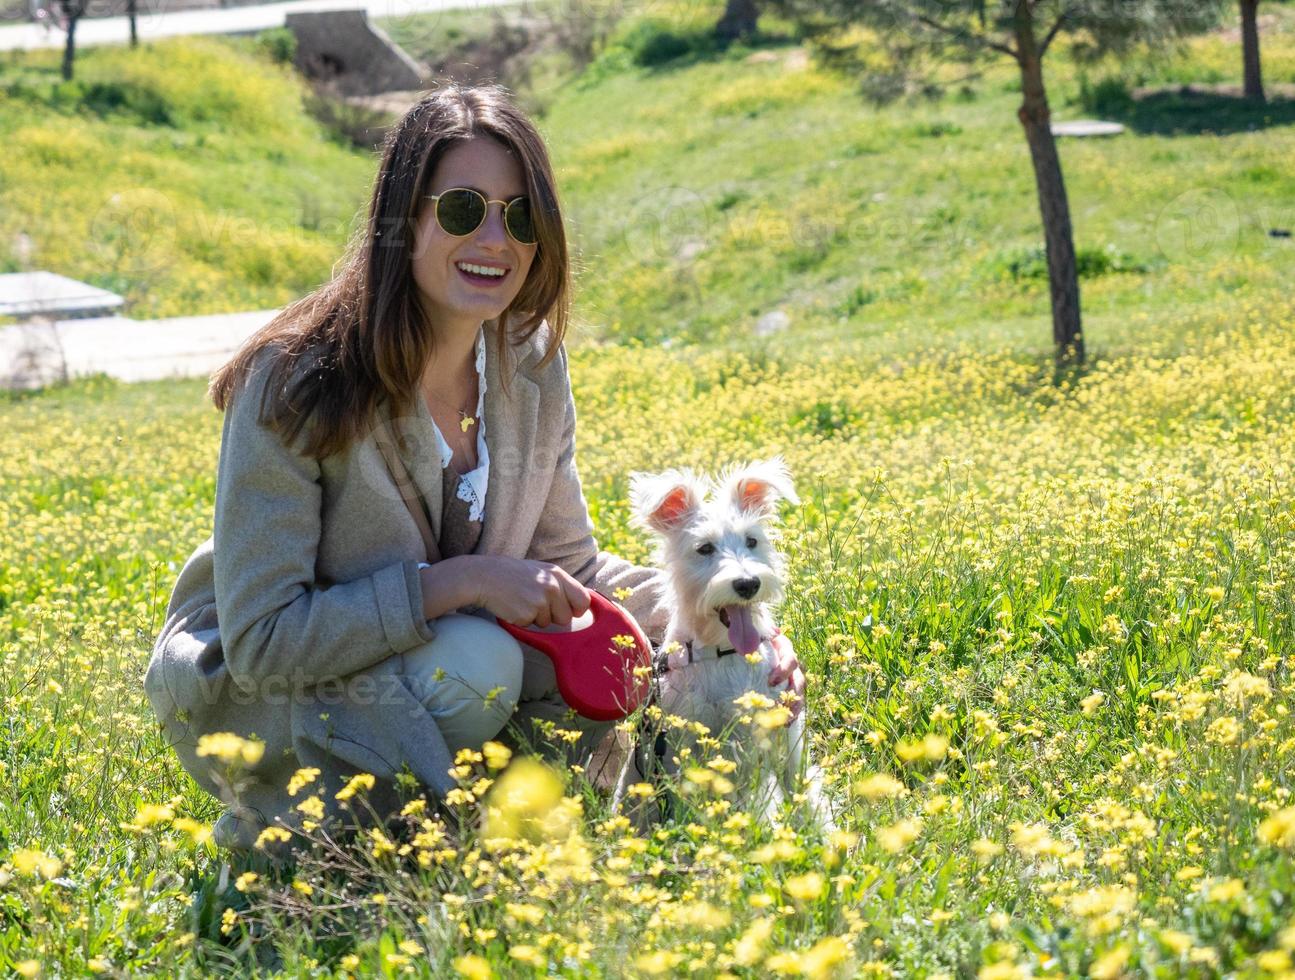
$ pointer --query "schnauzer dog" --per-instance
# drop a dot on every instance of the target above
(716, 543)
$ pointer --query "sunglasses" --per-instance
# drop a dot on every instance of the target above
(460, 211)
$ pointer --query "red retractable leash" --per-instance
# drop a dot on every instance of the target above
(596, 675)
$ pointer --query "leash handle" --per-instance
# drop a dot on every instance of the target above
(597, 668)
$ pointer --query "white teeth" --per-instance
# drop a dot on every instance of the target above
(481, 270)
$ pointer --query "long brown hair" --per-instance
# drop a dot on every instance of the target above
(362, 337)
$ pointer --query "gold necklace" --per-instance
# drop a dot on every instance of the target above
(466, 421)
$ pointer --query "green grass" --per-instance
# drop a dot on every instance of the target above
(184, 175)
(981, 550)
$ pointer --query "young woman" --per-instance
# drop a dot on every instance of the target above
(314, 620)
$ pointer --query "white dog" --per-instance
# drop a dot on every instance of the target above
(724, 574)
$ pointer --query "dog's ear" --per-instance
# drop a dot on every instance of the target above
(759, 486)
(665, 501)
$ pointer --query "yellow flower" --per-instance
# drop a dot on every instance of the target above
(358, 782)
(273, 835)
(1178, 942)
(531, 915)
(752, 700)
(1091, 703)
(199, 832)
(1004, 970)
(899, 835)
(246, 880)
(28, 968)
(879, 786)
(302, 778)
(773, 718)
(1274, 961)
(822, 959)
(1227, 890)
(1279, 828)
(524, 804)
(1223, 731)
(230, 748)
(658, 962)
(750, 945)
(29, 861)
(528, 955)
(496, 754)
(806, 887)
(473, 967)
(1110, 965)
(228, 919)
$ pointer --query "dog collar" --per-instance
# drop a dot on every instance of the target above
(691, 653)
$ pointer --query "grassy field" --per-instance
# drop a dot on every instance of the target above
(185, 176)
(1048, 620)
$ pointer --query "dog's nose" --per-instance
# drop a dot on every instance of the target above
(746, 587)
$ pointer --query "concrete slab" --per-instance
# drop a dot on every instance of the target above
(40, 352)
(24, 294)
(1086, 127)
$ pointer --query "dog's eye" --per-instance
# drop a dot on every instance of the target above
(706, 549)
(751, 542)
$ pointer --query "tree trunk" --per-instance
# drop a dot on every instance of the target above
(69, 49)
(1250, 50)
(738, 20)
(134, 33)
(1063, 275)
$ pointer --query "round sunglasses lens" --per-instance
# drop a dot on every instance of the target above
(518, 218)
(460, 211)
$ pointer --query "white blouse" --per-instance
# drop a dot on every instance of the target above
(472, 485)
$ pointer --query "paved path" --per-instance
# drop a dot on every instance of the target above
(32, 353)
(232, 20)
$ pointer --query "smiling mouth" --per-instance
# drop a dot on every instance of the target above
(481, 275)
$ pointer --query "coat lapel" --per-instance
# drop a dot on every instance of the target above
(511, 423)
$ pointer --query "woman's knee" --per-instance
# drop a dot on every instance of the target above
(470, 662)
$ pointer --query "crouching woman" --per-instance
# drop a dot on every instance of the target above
(396, 469)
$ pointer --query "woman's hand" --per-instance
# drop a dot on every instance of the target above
(787, 671)
(525, 592)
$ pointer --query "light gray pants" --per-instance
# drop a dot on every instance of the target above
(480, 683)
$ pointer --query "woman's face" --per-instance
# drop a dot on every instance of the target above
(455, 299)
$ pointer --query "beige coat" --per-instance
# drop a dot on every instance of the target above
(283, 624)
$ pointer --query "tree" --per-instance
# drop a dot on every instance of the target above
(915, 37)
(69, 12)
(1254, 81)
(738, 20)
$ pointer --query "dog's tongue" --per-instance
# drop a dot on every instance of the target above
(741, 629)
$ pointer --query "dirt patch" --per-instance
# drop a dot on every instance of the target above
(1201, 90)
(797, 59)
(1268, 24)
